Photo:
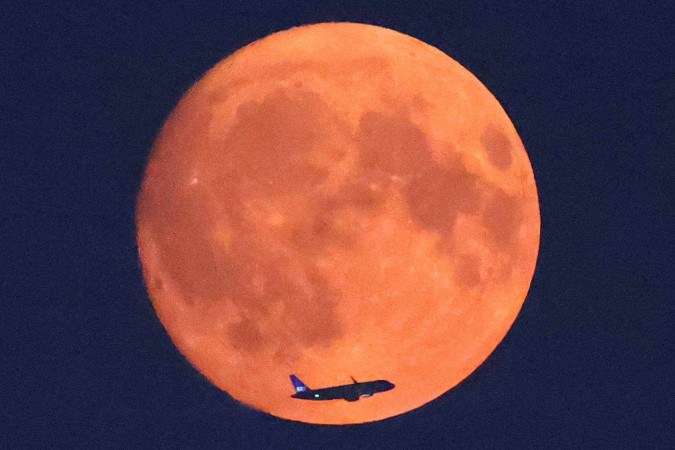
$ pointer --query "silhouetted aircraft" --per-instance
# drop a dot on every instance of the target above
(349, 392)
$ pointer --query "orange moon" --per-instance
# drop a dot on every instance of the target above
(337, 200)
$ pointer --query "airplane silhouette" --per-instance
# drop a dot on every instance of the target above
(350, 392)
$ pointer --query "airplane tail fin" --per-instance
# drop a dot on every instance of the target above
(298, 385)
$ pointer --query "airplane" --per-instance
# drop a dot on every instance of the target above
(350, 392)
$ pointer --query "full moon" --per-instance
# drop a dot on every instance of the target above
(337, 200)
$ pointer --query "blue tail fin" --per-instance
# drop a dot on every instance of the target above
(298, 385)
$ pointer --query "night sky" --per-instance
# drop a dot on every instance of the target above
(85, 360)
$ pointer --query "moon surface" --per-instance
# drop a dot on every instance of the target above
(337, 200)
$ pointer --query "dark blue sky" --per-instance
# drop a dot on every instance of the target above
(85, 361)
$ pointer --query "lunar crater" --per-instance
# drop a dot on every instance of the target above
(497, 146)
(288, 293)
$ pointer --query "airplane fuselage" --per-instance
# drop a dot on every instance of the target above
(349, 392)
